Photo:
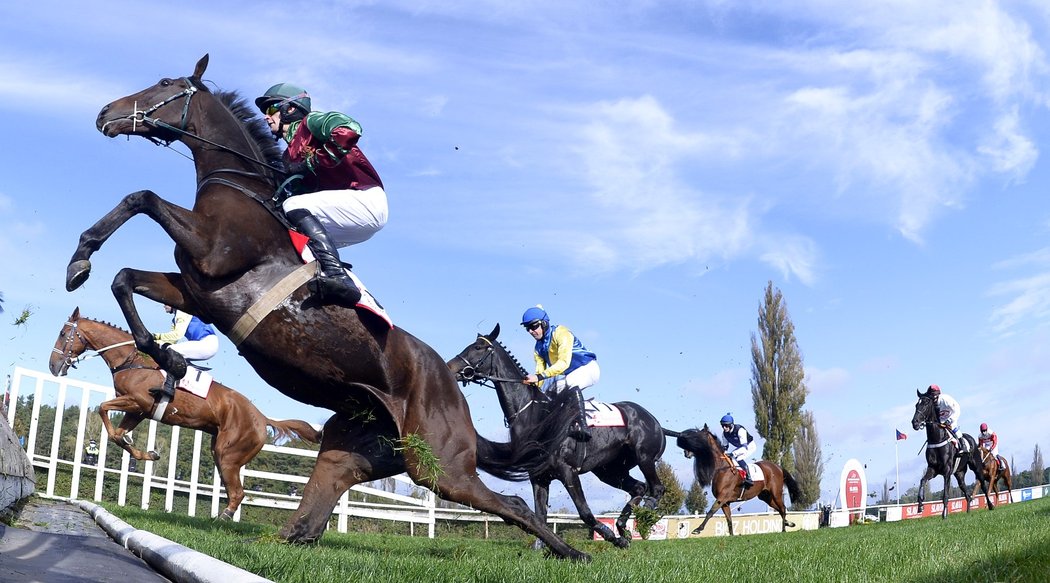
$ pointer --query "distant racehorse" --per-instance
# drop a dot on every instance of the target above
(236, 426)
(714, 468)
(992, 471)
(943, 457)
(542, 422)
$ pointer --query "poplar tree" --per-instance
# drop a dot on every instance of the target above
(671, 502)
(809, 466)
(1037, 466)
(696, 499)
(778, 387)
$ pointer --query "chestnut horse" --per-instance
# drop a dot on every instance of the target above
(236, 426)
(714, 468)
(540, 421)
(397, 407)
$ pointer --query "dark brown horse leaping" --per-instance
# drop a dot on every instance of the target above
(236, 426)
(233, 252)
(714, 468)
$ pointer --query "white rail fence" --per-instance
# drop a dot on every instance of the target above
(63, 392)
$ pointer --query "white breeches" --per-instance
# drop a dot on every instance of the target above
(744, 452)
(583, 377)
(349, 216)
(202, 349)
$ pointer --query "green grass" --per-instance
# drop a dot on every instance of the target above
(1011, 543)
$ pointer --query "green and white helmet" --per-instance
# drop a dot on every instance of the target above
(280, 96)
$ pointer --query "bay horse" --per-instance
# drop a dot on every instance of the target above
(542, 422)
(397, 407)
(992, 472)
(943, 456)
(714, 468)
(236, 426)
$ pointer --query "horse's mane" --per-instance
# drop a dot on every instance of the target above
(513, 358)
(705, 457)
(114, 326)
(256, 126)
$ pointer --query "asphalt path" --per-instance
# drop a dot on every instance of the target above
(57, 541)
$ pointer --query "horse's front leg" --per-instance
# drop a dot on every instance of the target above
(126, 405)
(176, 221)
(715, 507)
(922, 489)
(165, 288)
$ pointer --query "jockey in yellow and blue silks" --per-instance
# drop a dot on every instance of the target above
(562, 362)
(190, 337)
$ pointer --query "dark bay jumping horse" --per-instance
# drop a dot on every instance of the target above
(943, 457)
(713, 467)
(541, 421)
(397, 407)
(236, 426)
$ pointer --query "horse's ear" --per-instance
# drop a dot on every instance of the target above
(201, 66)
(495, 332)
(918, 394)
(76, 314)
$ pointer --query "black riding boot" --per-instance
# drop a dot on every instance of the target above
(333, 283)
(579, 429)
(167, 389)
(747, 476)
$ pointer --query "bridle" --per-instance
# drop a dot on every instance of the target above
(144, 117)
(931, 411)
(70, 361)
(471, 374)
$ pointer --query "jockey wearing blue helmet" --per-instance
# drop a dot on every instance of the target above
(739, 444)
(562, 362)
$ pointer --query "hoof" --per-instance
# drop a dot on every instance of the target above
(697, 530)
(538, 545)
(153, 455)
(77, 273)
(226, 516)
(622, 543)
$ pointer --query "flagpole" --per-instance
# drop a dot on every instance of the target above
(897, 459)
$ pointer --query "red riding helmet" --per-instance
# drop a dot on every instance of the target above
(933, 390)
(984, 427)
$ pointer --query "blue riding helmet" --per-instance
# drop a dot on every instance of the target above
(727, 419)
(534, 314)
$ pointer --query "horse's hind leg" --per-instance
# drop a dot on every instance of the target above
(621, 479)
(232, 450)
(350, 454)
(776, 503)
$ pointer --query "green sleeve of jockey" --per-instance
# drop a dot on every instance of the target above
(322, 125)
(560, 353)
(178, 329)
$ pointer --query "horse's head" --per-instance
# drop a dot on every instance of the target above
(70, 344)
(476, 362)
(155, 112)
(925, 411)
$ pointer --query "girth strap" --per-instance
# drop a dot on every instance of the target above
(269, 300)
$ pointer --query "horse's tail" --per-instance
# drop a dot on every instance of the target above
(793, 488)
(290, 428)
(502, 460)
(670, 433)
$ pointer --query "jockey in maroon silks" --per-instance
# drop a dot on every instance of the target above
(334, 195)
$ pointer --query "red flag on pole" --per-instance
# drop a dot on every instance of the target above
(900, 435)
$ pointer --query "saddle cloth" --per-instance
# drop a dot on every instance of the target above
(196, 381)
(756, 472)
(603, 414)
(368, 301)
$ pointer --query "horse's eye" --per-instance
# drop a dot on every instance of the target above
(165, 82)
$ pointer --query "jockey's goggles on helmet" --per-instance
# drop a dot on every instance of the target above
(273, 109)
(534, 325)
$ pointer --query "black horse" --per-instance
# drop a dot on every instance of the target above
(541, 422)
(943, 456)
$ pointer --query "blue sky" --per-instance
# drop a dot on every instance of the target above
(641, 169)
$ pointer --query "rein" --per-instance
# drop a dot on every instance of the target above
(69, 361)
(470, 374)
